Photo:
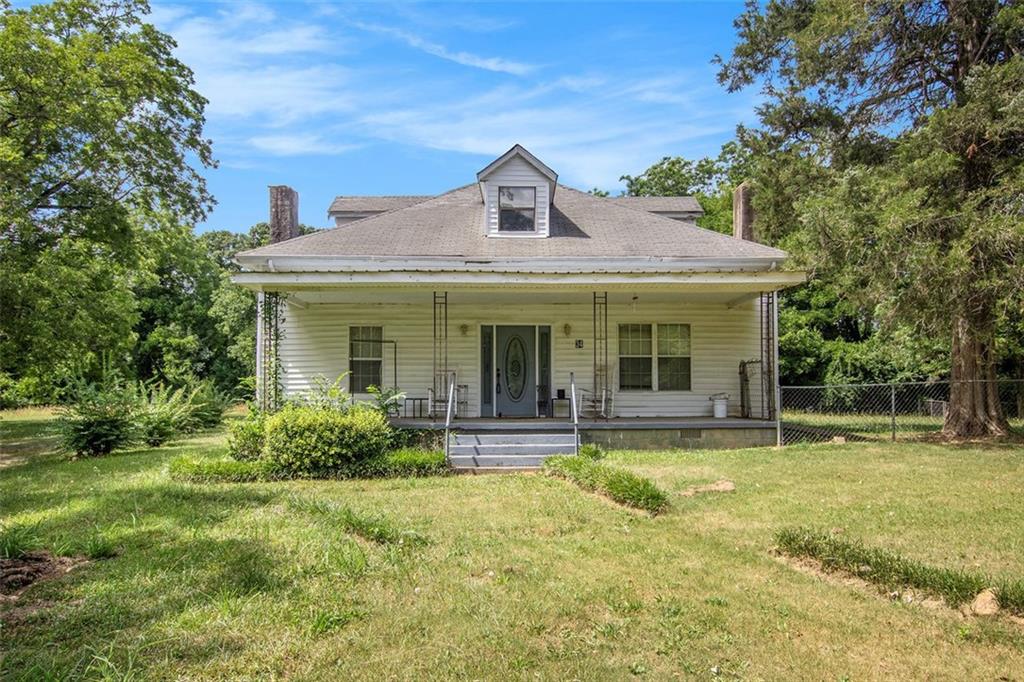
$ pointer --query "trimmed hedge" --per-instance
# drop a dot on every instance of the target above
(404, 463)
(892, 570)
(246, 437)
(311, 441)
(620, 485)
(408, 463)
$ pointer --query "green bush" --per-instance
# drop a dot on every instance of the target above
(403, 463)
(160, 412)
(100, 420)
(195, 470)
(246, 437)
(620, 485)
(308, 440)
(892, 570)
(208, 405)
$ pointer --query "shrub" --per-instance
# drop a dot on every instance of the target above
(191, 469)
(387, 401)
(160, 412)
(246, 437)
(99, 421)
(403, 463)
(208, 405)
(307, 440)
(591, 451)
(326, 395)
(890, 569)
(620, 485)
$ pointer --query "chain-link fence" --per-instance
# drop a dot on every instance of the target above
(877, 412)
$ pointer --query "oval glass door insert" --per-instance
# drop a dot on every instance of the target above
(515, 367)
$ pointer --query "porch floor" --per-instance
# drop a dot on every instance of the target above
(561, 424)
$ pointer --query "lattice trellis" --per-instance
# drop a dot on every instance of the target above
(269, 388)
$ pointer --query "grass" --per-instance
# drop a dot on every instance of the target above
(523, 576)
(892, 570)
(624, 487)
(809, 426)
(17, 540)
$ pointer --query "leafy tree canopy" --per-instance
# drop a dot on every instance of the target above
(891, 157)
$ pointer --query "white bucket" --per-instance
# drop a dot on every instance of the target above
(720, 407)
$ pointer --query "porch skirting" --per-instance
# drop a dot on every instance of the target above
(686, 433)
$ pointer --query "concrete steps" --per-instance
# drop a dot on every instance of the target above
(495, 450)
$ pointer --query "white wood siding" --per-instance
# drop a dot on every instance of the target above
(315, 343)
(516, 173)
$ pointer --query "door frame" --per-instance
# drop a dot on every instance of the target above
(494, 359)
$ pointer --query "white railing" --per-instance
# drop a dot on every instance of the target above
(575, 414)
(448, 413)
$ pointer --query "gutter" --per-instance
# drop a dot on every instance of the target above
(347, 264)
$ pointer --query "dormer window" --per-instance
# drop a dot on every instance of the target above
(517, 209)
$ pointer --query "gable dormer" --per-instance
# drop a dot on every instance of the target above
(517, 189)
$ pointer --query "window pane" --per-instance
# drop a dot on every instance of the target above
(673, 374)
(635, 374)
(673, 339)
(365, 373)
(365, 342)
(517, 197)
(634, 339)
(516, 220)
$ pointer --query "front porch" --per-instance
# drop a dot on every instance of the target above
(644, 359)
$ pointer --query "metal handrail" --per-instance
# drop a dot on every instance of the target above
(575, 414)
(448, 413)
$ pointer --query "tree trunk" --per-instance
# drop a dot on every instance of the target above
(974, 409)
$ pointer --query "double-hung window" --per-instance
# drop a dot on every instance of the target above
(517, 208)
(654, 355)
(636, 362)
(365, 357)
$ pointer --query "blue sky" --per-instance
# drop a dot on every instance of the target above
(415, 98)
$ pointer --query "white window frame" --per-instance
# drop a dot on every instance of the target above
(353, 358)
(654, 356)
(504, 233)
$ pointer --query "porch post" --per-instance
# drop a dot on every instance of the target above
(775, 362)
(260, 371)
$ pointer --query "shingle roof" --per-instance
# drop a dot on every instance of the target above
(582, 226)
(376, 203)
(661, 204)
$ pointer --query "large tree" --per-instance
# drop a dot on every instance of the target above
(100, 128)
(891, 156)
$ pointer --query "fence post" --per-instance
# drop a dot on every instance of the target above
(892, 409)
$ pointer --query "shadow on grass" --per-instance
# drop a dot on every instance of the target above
(168, 568)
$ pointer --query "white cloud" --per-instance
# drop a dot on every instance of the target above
(302, 144)
(497, 64)
(284, 86)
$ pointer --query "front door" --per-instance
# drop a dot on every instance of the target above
(515, 368)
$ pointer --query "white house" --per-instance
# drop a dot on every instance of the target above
(512, 290)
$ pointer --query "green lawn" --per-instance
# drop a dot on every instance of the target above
(522, 576)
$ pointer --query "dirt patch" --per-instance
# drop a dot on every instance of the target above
(17, 574)
(721, 486)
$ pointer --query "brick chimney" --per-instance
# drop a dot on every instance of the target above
(284, 213)
(742, 213)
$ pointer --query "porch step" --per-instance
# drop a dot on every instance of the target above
(512, 438)
(474, 450)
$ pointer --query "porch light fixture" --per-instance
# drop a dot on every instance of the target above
(567, 329)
